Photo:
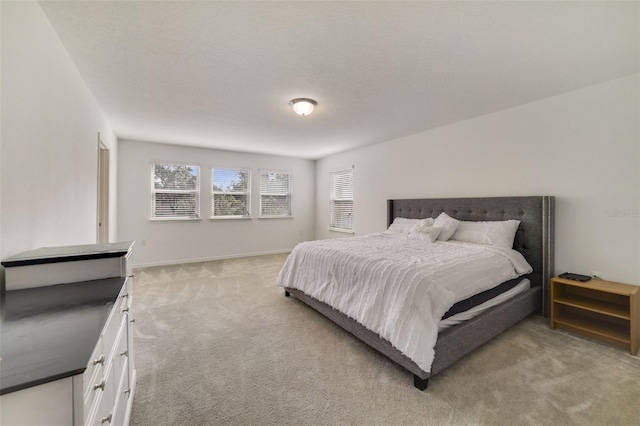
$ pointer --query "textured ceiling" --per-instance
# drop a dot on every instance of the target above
(221, 74)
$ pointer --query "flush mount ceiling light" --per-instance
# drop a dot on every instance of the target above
(303, 106)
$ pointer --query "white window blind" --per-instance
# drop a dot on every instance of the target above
(175, 191)
(275, 193)
(341, 199)
(231, 193)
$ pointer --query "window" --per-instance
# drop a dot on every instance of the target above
(175, 191)
(341, 200)
(275, 194)
(230, 193)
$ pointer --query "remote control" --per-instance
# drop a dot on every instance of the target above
(575, 277)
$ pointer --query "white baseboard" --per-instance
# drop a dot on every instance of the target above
(207, 259)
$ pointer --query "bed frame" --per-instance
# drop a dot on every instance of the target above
(534, 239)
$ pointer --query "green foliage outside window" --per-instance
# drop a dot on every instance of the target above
(175, 191)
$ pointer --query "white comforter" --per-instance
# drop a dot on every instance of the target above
(398, 287)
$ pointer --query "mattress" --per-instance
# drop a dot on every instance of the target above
(480, 298)
(508, 291)
(397, 287)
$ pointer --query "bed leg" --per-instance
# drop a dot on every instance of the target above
(420, 383)
(286, 293)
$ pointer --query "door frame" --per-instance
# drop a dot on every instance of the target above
(102, 223)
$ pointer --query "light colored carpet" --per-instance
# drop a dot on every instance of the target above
(218, 343)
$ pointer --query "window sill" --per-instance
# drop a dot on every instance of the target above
(276, 217)
(175, 219)
(345, 231)
(230, 218)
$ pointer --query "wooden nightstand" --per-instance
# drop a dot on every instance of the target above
(601, 310)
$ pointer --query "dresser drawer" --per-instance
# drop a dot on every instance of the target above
(103, 391)
(121, 353)
(126, 265)
(122, 396)
(95, 370)
(105, 349)
(110, 331)
(101, 413)
(102, 404)
(127, 295)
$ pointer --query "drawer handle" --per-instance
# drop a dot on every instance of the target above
(128, 391)
(133, 320)
(99, 360)
(100, 386)
(106, 419)
(125, 353)
(124, 296)
(125, 310)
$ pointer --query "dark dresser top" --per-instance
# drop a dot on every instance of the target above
(68, 253)
(48, 333)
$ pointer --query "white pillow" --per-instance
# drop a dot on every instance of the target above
(424, 231)
(448, 225)
(398, 228)
(405, 221)
(427, 222)
(402, 225)
(495, 233)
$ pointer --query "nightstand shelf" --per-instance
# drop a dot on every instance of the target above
(616, 332)
(597, 306)
(601, 310)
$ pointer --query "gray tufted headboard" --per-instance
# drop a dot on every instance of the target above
(535, 236)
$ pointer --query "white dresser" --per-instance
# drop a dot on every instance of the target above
(67, 340)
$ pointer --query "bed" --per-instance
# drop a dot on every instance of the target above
(533, 240)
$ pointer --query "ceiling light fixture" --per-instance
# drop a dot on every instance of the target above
(303, 106)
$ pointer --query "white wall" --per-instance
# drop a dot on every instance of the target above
(582, 147)
(170, 242)
(49, 138)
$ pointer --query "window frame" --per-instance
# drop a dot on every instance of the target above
(289, 194)
(155, 191)
(247, 193)
(333, 189)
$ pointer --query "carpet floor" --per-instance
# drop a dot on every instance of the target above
(217, 343)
